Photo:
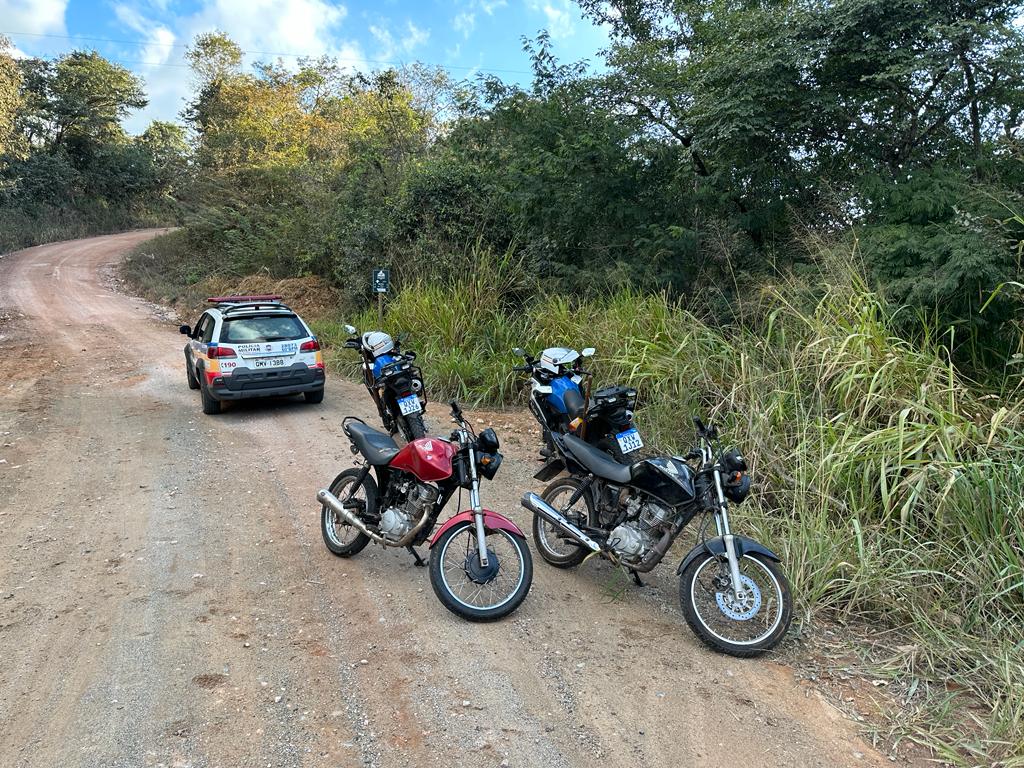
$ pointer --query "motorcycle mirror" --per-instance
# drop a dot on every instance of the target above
(519, 351)
(350, 329)
(588, 352)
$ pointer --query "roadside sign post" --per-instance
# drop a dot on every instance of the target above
(380, 282)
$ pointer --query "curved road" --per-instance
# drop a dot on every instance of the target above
(167, 600)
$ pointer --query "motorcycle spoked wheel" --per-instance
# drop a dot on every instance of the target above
(554, 547)
(475, 592)
(743, 629)
(341, 538)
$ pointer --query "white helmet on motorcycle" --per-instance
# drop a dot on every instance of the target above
(377, 342)
(554, 359)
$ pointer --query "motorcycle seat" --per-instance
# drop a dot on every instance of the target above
(375, 446)
(597, 461)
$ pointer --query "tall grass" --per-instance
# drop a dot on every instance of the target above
(891, 484)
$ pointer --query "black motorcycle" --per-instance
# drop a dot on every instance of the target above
(393, 381)
(603, 418)
(733, 592)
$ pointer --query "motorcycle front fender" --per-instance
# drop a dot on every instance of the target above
(492, 522)
(744, 545)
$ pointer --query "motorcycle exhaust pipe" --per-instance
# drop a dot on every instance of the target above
(327, 498)
(538, 506)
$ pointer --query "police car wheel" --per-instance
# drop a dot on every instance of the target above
(211, 405)
(317, 396)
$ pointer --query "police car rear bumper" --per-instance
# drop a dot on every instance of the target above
(244, 383)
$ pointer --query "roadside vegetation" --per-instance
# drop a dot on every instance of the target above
(801, 219)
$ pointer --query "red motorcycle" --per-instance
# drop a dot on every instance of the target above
(480, 566)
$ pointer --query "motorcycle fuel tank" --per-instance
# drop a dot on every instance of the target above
(428, 458)
(666, 478)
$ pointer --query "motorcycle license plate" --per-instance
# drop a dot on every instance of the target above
(629, 440)
(410, 404)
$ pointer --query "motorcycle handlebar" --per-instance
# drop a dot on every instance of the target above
(522, 368)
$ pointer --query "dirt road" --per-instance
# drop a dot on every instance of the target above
(167, 599)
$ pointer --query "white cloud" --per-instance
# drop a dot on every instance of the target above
(285, 26)
(413, 38)
(559, 21)
(160, 40)
(490, 6)
(38, 17)
(464, 22)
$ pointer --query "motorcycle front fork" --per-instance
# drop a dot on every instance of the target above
(478, 511)
(722, 526)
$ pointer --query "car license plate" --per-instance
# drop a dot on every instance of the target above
(629, 440)
(410, 404)
(268, 362)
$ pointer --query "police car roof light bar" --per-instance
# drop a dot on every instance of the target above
(243, 299)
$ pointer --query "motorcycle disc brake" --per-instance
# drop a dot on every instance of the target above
(740, 610)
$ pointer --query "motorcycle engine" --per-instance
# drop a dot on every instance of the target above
(633, 538)
(397, 521)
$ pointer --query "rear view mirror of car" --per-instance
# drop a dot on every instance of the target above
(185, 329)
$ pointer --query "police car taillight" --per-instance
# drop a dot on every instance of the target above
(310, 346)
(220, 352)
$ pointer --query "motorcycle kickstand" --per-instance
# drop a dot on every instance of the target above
(636, 577)
(419, 560)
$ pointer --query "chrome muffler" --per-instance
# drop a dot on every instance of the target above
(328, 499)
(538, 506)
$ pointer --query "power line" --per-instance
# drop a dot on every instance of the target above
(351, 60)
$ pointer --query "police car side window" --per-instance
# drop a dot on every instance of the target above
(208, 330)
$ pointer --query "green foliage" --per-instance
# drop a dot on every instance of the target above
(10, 100)
(69, 169)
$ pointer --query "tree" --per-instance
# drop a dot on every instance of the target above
(10, 100)
(80, 97)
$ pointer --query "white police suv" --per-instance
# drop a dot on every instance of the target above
(252, 346)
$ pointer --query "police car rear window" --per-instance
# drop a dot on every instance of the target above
(269, 328)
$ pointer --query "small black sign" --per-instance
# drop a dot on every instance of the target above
(381, 280)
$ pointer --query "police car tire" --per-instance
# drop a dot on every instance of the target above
(193, 382)
(211, 406)
(316, 396)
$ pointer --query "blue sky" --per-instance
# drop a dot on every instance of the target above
(148, 36)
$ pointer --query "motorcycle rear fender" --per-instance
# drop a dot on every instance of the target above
(717, 546)
(492, 522)
(551, 469)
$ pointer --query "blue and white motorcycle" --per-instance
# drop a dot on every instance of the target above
(562, 403)
(393, 381)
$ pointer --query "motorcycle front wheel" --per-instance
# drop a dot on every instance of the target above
(473, 591)
(739, 628)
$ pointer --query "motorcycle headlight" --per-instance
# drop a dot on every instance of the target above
(488, 464)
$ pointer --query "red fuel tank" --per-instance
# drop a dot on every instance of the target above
(429, 458)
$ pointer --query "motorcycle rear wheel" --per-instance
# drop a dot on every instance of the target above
(413, 427)
(553, 547)
(341, 538)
